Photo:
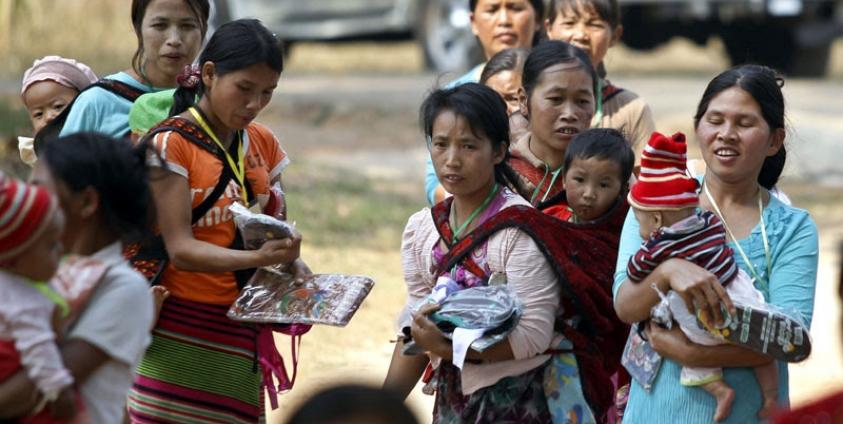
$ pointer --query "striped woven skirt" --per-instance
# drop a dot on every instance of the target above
(200, 368)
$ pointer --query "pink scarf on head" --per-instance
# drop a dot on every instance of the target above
(67, 72)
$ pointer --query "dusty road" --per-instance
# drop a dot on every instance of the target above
(366, 124)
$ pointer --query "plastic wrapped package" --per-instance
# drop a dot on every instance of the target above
(759, 326)
(494, 309)
(256, 228)
(274, 297)
(476, 318)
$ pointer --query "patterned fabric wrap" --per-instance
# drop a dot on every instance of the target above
(700, 239)
(515, 400)
(200, 367)
(583, 257)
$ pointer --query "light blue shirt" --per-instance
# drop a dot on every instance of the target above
(794, 247)
(430, 179)
(100, 110)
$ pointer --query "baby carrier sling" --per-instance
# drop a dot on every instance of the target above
(583, 259)
(150, 256)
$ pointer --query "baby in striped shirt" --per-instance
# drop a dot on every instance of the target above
(664, 200)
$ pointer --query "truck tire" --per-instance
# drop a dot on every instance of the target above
(638, 33)
(444, 31)
(220, 14)
(775, 46)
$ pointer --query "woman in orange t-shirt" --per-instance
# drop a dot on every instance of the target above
(201, 365)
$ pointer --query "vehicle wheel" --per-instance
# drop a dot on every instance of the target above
(638, 31)
(444, 30)
(220, 14)
(775, 46)
(811, 61)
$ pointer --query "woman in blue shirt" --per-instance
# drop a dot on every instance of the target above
(169, 33)
(740, 128)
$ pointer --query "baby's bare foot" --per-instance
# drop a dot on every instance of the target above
(768, 408)
(724, 395)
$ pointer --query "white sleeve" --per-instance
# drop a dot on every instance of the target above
(416, 277)
(532, 278)
(118, 316)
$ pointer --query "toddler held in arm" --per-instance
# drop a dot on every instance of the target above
(31, 224)
(665, 203)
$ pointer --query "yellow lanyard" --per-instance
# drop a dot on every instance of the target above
(767, 255)
(237, 169)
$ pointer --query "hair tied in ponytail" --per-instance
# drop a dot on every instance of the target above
(189, 77)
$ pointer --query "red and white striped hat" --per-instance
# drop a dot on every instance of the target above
(24, 213)
(664, 183)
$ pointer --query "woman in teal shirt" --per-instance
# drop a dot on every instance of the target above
(740, 128)
(169, 33)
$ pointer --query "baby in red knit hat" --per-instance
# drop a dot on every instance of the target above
(664, 200)
(31, 224)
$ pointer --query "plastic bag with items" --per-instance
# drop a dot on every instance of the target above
(476, 317)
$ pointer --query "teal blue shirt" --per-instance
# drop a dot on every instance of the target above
(794, 247)
(430, 179)
(100, 110)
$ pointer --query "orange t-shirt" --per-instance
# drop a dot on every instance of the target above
(264, 161)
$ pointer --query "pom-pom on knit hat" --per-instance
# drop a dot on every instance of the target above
(67, 72)
(24, 213)
(664, 183)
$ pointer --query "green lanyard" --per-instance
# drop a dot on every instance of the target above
(237, 169)
(476, 212)
(598, 115)
(54, 297)
(541, 183)
(767, 254)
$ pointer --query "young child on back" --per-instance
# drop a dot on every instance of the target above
(31, 224)
(598, 164)
(48, 87)
(665, 200)
(595, 26)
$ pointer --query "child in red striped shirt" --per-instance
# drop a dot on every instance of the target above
(664, 201)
